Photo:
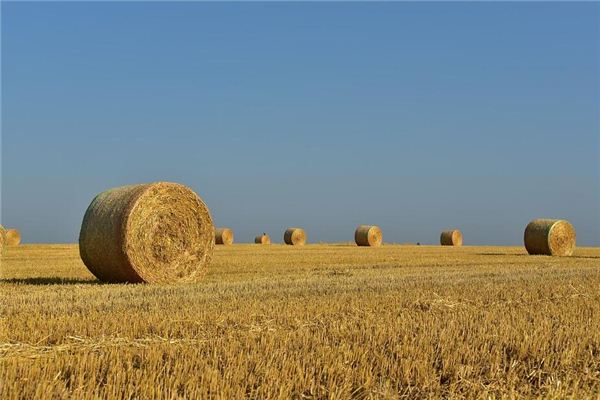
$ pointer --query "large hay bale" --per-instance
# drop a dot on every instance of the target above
(223, 236)
(156, 232)
(368, 235)
(552, 237)
(294, 236)
(13, 237)
(262, 239)
(451, 238)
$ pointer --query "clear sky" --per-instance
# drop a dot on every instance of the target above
(415, 117)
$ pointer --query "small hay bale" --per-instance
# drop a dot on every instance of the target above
(368, 235)
(2, 239)
(13, 237)
(451, 238)
(552, 237)
(156, 232)
(224, 236)
(294, 236)
(262, 239)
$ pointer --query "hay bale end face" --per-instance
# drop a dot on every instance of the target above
(451, 238)
(294, 236)
(552, 237)
(156, 232)
(13, 237)
(224, 236)
(368, 235)
(262, 239)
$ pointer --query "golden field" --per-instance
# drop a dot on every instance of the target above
(320, 321)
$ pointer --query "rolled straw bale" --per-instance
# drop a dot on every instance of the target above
(13, 237)
(552, 237)
(262, 239)
(156, 232)
(451, 238)
(2, 239)
(294, 236)
(223, 236)
(368, 235)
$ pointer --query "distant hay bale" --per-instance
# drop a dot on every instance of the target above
(223, 236)
(262, 239)
(13, 237)
(552, 237)
(156, 232)
(294, 236)
(2, 239)
(368, 235)
(451, 238)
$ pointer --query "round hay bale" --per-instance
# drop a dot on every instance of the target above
(368, 235)
(451, 238)
(262, 239)
(13, 237)
(552, 237)
(224, 236)
(294, 236)
(156, 232)
(2, 239)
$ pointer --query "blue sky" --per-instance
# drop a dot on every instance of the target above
(415, 117)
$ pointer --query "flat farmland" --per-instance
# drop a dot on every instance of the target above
(312, 322)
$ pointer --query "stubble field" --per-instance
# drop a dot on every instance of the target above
(322, 321)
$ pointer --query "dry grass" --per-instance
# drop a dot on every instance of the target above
(312, 322)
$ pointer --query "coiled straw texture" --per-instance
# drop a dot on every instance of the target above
(552, 237)
(294, 236)
(451, 238)
(368, 235)
(224, 236)
(155, 233)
